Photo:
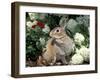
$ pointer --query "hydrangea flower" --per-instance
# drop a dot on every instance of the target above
(85, 52)
(42, 41)
(79, 38)
(35, 22)
(46, 29)
(77, 59)
(29, 24)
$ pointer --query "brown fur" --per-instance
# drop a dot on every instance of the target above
(50, 52)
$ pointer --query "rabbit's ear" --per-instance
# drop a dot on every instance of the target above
(63, 21)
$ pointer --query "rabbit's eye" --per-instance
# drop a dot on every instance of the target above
(57, 30)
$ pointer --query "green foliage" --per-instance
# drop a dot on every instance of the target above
(53, 20)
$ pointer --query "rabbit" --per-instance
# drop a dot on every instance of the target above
(64, 45)
(59, 46)
(49, 55)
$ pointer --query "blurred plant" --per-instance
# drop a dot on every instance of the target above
(46, 29)
(83, 20)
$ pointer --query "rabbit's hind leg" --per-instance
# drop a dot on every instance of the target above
(64, 61)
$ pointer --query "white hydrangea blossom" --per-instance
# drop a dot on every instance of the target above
(33, 16)
(29, 24)
(79, 38)
(77, 59)
(35, 22)
(42, 41)
(46, 29)
(85, 52)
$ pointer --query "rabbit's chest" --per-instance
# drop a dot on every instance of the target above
(67, 47)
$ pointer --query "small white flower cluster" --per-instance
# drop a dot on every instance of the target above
(81, 55)
(78, 38)
(46, 29)
(42, 41)
(30, 23)
(33, 16)
(85, 52)
(77, 59)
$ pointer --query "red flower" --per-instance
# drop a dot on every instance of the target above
(33, 26)
(41, 24)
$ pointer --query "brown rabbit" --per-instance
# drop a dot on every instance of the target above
(64, 45)
(60, 45)
(50, 54)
